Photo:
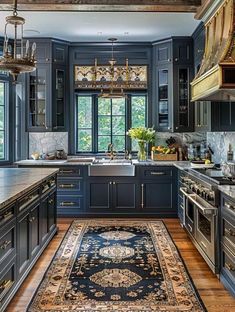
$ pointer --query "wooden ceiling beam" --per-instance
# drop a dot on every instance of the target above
(104, 5)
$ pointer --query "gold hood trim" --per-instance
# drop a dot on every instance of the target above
(216, 77)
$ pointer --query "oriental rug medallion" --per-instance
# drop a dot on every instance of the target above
(116, 265)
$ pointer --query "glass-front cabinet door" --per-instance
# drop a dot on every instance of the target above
(183, 107)
(164, 97)
(59, 99)
(39, 84)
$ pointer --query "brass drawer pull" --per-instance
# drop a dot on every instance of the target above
(67, 204)
(229, 206)
(5, 284)
(67, 186)
(230, 232)
(230, 267)
(5, 245)
(51, 201)
(66, 171)
(142, 196)
(157, 173)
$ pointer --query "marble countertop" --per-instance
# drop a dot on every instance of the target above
(183, 165)
(228, 190)
(15, 182)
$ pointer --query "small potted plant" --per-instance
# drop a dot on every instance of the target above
(143, 136)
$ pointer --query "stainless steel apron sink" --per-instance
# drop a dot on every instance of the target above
(111, 169)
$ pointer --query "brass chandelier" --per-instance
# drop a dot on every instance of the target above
(19, 58)
(113, 92)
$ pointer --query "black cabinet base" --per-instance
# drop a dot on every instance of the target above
(14, 289)
(225, 280)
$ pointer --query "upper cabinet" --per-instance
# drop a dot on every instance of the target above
(223, 116)
(47, 87)
(183, 51)
(173, 72)
(163, 53)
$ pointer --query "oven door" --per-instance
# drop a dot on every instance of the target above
(189, 211)
(205, 226)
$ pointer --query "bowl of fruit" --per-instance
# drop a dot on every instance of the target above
(164, 153)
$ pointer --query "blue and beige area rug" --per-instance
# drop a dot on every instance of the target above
(123, 266)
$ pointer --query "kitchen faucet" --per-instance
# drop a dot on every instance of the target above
(111, 151)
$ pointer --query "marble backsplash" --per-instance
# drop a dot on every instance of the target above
(219, 143)
(181, 138)
(50, 141)
(46, 142)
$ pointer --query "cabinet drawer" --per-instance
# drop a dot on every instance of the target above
(7, 241)
(7, 279)
(69, 202)
(70, 186)
(228, 234)
(228, 263)
(28, 199)
(228, 206)
(7, 214)
(157, 173)
(48, 184)
(68, 171)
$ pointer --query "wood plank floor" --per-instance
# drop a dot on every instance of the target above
(212, 292)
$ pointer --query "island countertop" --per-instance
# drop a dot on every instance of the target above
(15, 182)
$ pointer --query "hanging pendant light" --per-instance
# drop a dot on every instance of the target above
(112, 93)
(19, 58)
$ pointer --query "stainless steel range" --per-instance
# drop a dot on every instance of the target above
(201, 200)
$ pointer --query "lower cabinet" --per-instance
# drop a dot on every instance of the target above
(157, 196)
(152, 191)
(227, 241)
(111, 195)
(28, 235)
(158, 192)
(27, 226)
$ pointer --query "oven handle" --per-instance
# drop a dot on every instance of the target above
(183, 190)
(206, 211)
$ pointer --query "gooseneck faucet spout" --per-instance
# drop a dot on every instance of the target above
(111, 152)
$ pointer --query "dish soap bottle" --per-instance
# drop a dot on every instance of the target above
(230, 153)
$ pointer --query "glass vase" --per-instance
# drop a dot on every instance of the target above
(142, 154)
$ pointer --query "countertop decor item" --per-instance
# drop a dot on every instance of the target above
(143, 136)
(35, 156)
(117, 265)
(17, 58)
(164, 153)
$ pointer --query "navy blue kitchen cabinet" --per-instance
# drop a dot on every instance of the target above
(181, 197)
(223, 116)
(26, 227)
(158, 192)
(71, 190)
(47, 87)
(227, 250)
(172, 74)
(108, 195)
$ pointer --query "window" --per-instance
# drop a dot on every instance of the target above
(102, 121)
(84, 130)
(3, 125)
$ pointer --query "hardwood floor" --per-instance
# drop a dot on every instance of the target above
(212, 292)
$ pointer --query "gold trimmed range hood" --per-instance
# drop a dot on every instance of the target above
(215, 80)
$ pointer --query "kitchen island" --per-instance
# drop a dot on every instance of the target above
(27, 223)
